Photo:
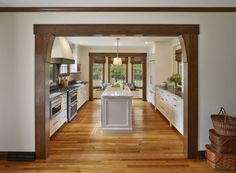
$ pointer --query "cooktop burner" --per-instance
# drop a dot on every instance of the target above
(65, 89)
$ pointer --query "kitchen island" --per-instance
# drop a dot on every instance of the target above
(116, 110)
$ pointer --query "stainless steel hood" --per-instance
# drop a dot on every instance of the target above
(61, 52)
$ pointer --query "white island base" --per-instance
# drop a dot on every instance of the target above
(117, 110)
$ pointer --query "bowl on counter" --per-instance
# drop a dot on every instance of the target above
(163, 84)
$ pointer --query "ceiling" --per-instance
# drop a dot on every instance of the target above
(117, 3)
(112, 42)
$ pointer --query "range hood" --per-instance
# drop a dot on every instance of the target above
(61, 52)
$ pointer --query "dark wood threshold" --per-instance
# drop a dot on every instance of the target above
(3, 155)
(201, 155)
(117, 9)
(17, 156)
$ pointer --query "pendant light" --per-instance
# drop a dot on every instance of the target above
(117, 60)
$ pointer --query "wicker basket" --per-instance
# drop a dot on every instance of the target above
(222, 144)
(220, 161)
(223, 123)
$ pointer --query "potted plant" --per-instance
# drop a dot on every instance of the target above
(175, 78)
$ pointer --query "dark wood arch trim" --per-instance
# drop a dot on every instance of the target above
(44, 36)
(117, 9)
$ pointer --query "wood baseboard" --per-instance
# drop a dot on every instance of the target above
(201, 155)
(17, 156)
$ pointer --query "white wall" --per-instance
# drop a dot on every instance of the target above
(217, 63)
(163, 61)
(7, 90)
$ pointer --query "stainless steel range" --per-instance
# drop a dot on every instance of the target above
(72, 104)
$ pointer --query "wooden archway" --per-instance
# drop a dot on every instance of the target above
(44, 37)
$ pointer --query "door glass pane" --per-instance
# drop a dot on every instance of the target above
(97, 75)
(138, 75)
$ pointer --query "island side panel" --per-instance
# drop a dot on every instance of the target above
(117, 114)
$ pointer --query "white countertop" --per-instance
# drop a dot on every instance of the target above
(116, 92)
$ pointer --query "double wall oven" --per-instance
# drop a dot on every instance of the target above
(72, 103)
(56, 103)
(55, 107)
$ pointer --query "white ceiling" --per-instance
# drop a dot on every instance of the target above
(112, 42)
(118, 3)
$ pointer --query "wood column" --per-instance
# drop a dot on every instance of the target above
(189, 44)
(43, 46)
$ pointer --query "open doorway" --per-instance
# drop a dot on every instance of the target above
(45, 35)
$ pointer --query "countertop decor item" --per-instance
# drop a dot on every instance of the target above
(163, 84)
(223, 123)
(175, 78)
(221, 153)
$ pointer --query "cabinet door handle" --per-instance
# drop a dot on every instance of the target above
(174, 105)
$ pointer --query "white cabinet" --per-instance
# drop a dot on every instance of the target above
(82, 95)
(171, 106)
(152, 97)
(61, 118)
(151, 81)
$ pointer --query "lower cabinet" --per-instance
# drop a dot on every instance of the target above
(82, 95)
(61, 118)
(171, 106)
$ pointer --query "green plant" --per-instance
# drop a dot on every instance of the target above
(176, 78)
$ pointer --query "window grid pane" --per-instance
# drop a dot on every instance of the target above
(117, 73)
(97, 75)
(138, 75)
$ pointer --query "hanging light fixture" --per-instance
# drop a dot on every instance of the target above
(117, 60)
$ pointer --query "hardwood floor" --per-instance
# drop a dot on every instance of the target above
(80, 146)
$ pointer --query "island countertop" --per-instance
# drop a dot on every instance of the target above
(117, 92)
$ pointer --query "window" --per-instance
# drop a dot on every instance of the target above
(118, 73)
(64, 70)
(98, 73)
(137, 75)
(53, 74)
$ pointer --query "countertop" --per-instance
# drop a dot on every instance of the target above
(59, 90)
(117, 92)
(172, 91)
